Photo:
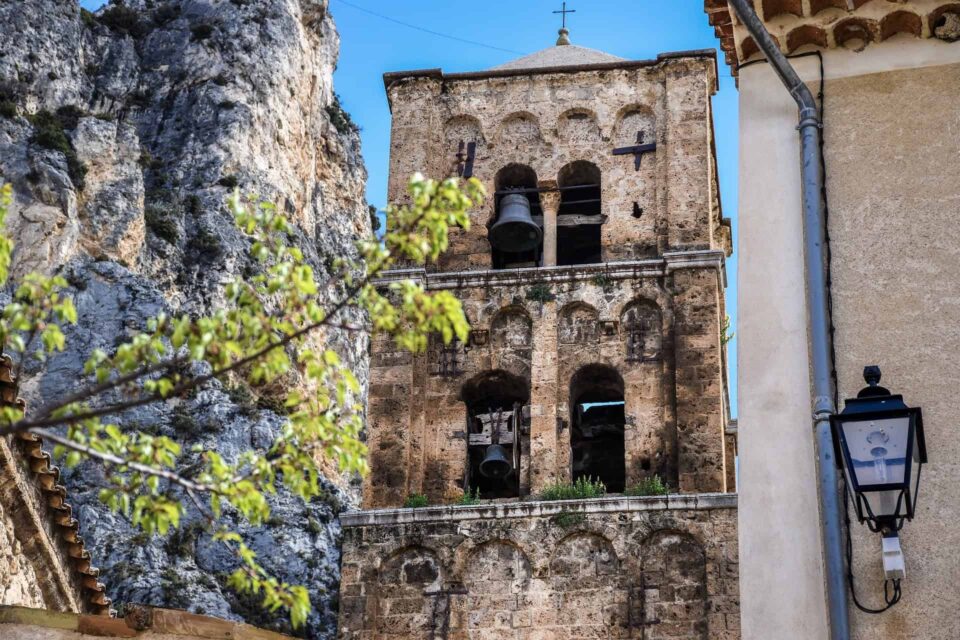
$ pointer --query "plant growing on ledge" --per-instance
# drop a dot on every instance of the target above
(653, 486)
(581, 489)
(261, 336)
(416, 501)
(567, 519)
(470, 498)
(603, 281)
(541, 293)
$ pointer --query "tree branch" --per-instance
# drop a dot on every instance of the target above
(109, 459)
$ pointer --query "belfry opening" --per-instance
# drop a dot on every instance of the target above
(597, 426)
(494, 402)
(579, 218)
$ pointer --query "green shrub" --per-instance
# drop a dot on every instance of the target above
(415, 501)
(123, 20)
(158, 220)
(48, 132)
(184, 424)
(470, 498)
(193, 205)
(567, 519)
(230, 182)
(603, 281)
(582, 489)
(181, 542)
(69, 116)
(166, 13)
(206, 243)
(648, 487)
(374, 218)
(540, 293)
(8, 109)
(89, 20)
(339, 118)
(139, 99)
(201, 32)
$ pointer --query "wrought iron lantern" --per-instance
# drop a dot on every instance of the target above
(880, 446)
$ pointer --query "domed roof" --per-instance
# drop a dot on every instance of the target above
(563, 54)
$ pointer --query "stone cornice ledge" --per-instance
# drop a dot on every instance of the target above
(625, 270)
(501, 510)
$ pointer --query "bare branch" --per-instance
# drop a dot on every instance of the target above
(95, 390)
(109, 458)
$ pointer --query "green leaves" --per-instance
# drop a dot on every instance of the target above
(6, 244)
(272, 333)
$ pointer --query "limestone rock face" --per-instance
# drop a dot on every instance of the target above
(123, 132)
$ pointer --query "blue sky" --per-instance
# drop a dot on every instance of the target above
(636, 29)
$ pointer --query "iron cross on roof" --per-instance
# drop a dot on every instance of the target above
(637, 150)
(564, 12)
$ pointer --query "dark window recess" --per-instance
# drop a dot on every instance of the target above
(494, 401)
(597, 426)
(579, 219)
(517, 176)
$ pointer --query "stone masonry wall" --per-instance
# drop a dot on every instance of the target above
(549, 120)
(673, 394)
(651, 568)
(35, 570)
(649, 312)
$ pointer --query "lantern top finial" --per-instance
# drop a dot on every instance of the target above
(872, 375)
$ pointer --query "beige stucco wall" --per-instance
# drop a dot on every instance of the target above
(781, 577)
(892, 151)
(895, 202)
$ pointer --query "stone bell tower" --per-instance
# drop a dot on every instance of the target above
(593, 281)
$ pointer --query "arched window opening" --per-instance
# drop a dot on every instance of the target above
(597, 424)
(516, 234)
(494, 402)
(579, 218)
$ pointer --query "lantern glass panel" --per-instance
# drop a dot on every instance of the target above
(878, 454)
(885, 503)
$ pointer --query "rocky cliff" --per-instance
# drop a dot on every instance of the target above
(123, 132)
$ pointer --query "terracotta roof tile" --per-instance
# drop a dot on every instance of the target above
(825, 24)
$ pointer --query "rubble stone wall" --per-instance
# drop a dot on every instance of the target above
(675, 415)
(652, 568)
(649, 311)
(548, 120)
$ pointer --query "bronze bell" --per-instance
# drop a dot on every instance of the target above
(495, 463)
(515, 230)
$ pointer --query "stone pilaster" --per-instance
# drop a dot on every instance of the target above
(699, 379)
(543, 400)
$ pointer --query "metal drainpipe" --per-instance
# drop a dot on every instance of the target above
(814, 227)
